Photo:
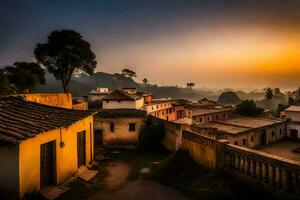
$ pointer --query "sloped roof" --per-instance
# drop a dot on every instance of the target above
(121, 113)
(293, 108)
(21, 120)
(118, 95)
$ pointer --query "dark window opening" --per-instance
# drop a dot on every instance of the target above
(244, 141)
(112, 127)
(131, 127)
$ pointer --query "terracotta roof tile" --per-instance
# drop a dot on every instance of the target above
(20, 119)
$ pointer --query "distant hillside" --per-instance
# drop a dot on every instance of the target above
(81, 84)
(229, 97)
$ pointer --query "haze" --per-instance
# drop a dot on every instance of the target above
(212, 43)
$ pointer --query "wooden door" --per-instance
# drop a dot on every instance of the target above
(48, 164)
(81, 148)
(98, 139)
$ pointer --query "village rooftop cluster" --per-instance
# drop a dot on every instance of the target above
(59, 134)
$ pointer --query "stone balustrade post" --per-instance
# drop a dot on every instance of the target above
(266, 172)
(220, 153)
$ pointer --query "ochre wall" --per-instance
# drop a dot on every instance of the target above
(121, 137)
(80, 106)
(202, 149)
(66, 157)
(63, 100)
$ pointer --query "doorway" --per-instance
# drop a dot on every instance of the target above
(48, 164)
(98, 139)
(263, 138)
(81, 148)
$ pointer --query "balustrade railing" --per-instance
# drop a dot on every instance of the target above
(270, 169)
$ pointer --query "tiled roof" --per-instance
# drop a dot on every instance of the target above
(20, 119)
(120, 113)
(119, 95)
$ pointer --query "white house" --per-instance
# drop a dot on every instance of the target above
(292, 113)
(122, 100)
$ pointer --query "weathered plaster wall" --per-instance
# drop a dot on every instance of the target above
(66, 157)
(63, 100)
(119, 104)
(9, 171)
(291, 126)
(80, 106)
(294, 116)
(121, 137)
(202, 148)
(173, 133)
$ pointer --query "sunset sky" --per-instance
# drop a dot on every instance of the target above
(214, 43)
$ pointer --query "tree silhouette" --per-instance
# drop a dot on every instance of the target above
(64, 52)
(269, 94)
(25, 75)
(190, 85)
(128, 73)
(145, 81)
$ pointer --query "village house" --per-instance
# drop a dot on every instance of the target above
(118, 128)
(41, 145)
(292, 114)
(161, 108)
(247, 131)
(205, 113)
(95, 97)
(119, 99)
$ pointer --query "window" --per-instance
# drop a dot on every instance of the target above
(112, 127)
(236, 143)
(152, 107)
(244, 141)
(280, 131)
(217, 117)
(157, 106)
(208, 119)
(200, 119)
(273, 134)
(131, 127)
(252, 138)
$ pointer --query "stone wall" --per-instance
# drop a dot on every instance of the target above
(63, 100)
(121, 137)
(173, 135)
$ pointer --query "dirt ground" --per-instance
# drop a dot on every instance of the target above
(121, 178)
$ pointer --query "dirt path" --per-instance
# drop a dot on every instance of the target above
(120, 188)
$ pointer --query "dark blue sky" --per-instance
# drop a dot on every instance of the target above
(113, 26)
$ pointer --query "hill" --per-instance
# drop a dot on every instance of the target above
(229, 97)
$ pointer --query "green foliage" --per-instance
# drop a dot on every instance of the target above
(5, 86)
(33, 68)
(128, 73)
(248, 108)
(22, 76)
(64, 52)
(269, 93)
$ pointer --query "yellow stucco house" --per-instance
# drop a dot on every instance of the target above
(41, 145)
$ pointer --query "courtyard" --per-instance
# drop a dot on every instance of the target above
(284, 148)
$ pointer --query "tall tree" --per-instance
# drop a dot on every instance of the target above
(277, 92)
(248, 108)
(145, 81)
(64, 52)
(5, 86)
(128, 73)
